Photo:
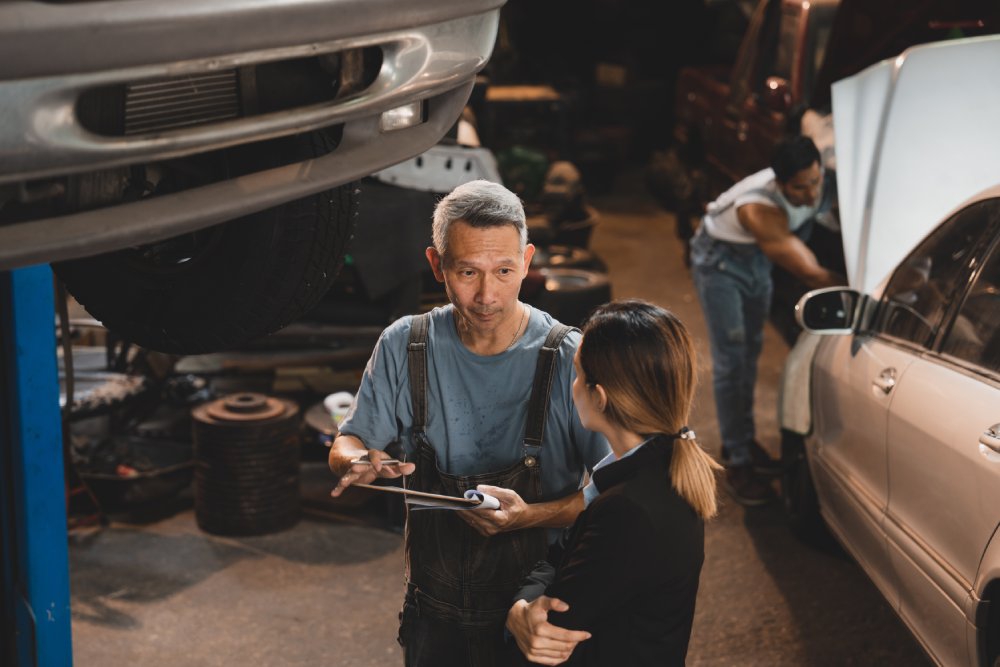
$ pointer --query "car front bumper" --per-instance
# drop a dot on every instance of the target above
(51, 54)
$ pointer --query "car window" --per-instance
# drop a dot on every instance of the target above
(786, 43)
(765, 24)
(924, 284)
(975, 333)
(820, 26)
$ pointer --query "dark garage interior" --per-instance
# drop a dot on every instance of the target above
(184, 327)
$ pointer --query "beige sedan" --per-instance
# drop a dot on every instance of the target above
(895, 445)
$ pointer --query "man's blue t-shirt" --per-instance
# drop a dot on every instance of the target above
(476, 405)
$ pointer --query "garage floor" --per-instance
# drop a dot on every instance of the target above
(327, 591)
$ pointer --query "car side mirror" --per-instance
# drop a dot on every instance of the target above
(777, 95)
(831, 310)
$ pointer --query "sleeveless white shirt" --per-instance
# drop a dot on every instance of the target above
(720, 219)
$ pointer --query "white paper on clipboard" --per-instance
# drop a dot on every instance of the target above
(420, 500)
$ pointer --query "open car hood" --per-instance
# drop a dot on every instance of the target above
(915, 137)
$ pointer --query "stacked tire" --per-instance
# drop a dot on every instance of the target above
(246, 452)
(571, 295)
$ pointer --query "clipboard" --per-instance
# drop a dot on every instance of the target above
(473, 500)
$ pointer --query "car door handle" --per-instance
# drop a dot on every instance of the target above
(886, 380)
(991, 438)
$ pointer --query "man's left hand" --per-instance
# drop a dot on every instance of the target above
(513, 512)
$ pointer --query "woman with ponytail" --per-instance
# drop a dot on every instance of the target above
(620, 587)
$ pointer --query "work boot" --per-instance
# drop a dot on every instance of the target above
(746, 488)
(762, 462)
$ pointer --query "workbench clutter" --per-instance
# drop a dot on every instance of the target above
(246, 478)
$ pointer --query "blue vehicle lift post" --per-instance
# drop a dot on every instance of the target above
(35, 567)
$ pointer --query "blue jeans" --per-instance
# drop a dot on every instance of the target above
(734, 286)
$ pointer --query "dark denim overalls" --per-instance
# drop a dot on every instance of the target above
(460, 584)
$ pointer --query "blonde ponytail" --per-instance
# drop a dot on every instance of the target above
(644, 359)
(692, 473)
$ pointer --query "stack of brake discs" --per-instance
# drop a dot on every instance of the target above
(246, 453)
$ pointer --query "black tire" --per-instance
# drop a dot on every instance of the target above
(566, 257)
(571, 295)
(798, 493)
(224, 286)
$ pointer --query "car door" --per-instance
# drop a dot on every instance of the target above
(728, 141)
(852, 381)
(944, 470)
(856, 380)
(751, 127)
(790, 54)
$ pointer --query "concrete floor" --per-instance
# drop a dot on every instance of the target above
(328, 590)
(322, 593)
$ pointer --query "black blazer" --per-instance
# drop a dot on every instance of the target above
(629, 567)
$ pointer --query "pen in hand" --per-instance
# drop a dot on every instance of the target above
(385, 462)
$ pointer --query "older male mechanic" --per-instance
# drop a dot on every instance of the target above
(478, 393)
(756, 222)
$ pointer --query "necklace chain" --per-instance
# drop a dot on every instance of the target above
(524, 312)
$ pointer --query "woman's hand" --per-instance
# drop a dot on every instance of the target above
(540, 641)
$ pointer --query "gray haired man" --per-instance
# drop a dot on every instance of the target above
(478, 394)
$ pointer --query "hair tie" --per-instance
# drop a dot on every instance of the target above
(684, 434)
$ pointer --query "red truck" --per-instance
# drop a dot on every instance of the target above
(729, 120)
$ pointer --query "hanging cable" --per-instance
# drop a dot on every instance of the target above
(74, 483)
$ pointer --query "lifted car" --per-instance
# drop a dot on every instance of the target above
(204, 151)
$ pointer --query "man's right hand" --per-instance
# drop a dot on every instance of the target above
(343, 453)
(769, 227)
(540, 641)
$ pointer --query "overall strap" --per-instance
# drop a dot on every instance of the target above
(416, 363)
(541, 387)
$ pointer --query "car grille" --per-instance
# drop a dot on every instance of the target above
(193, 99)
